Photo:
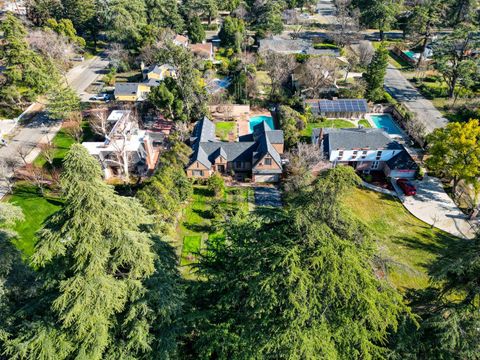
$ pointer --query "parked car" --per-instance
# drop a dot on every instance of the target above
(407, 187)
(78, 58)
(101, 97)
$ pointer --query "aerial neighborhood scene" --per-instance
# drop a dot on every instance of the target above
(240, 179)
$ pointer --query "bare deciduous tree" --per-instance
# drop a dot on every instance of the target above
(73, 126)
(48, 152)
(318, 74)
(279, 68)
(117, 138)
(38, 176)
(7, 172)
(117, 55)
(23, 151)
(365, 52)
(52, 45)
(347, 22)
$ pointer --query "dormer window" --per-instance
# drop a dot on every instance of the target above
(268, 161)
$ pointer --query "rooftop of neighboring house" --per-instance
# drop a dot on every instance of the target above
(252, 147)
(338, 105)
(123, 89)
(158, 69)
(181, 40)
(355, 139)
(135, 140)
(203, 50)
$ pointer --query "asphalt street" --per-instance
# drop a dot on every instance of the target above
(404, 92)
(40, 128)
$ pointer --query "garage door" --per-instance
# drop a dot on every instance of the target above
(266, 178)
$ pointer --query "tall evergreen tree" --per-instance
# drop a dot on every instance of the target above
(196, 32)
(298, 285)
(376, 73)
(94, 259)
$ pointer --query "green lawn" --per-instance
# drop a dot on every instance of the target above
(407, 245)
(62, 143)
(365, 123)
(335, 123)
(196, 228)
(223, 128)
(36, 209)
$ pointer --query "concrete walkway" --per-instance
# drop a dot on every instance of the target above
(433, 206)
(401, 89)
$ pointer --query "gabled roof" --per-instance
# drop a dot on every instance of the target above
(402, 161)
(358, 138)
(202, 49)
(204, 131)
(251, 148)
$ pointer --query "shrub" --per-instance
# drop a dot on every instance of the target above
(325, 46)
(216, 185)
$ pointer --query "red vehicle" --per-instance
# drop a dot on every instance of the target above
(408, 188)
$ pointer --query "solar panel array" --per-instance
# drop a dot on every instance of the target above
(344, 105)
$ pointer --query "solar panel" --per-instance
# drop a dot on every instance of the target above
(343, 105)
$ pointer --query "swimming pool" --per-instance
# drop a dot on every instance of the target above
(386, 122)
(255, 120)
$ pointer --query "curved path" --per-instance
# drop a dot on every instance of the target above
(433, 206)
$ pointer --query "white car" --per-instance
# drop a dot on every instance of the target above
(78, 58)
(100, 97)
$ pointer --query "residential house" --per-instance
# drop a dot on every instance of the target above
(181, 40)
(126, 148)
(255, 156)
(152, 76)
(159, 72)
(365, 150)
(203, 51)
(338, 108)
(131, 91)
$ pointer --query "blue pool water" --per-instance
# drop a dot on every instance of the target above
(255, 120)
(386, 122)
(410, 54)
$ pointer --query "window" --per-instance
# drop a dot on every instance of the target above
(375, 165)
(379, 155)
(340, 155)
(354, 156)
(364, 154)
(239, 164)
(197, 172)
(268, 161)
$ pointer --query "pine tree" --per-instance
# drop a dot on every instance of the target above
(196, 32)
(376, 73)
(62, 102)
(94, 259)
(296, 285)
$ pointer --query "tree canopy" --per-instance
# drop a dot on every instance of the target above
(375, 74)
(299, 285)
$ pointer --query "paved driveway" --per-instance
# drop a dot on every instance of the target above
(401, 89)
(433, 206)
(267, 196)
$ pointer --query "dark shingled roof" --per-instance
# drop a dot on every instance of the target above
(125, 89)
(252, 147)
(359, 138)
(402, 161)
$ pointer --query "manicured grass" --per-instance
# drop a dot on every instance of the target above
(264, 83)
(365, 123)
(335, 123)
(62, 143)
(407, 246)
(130, 76)
(195, 229)
(36, 209)
(223, 128)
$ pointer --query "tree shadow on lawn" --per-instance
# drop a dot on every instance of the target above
(204, 214)
(440, 245)
(198, 228)
(202, 191)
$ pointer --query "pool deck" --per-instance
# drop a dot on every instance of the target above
(243, 123)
